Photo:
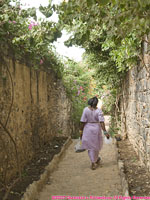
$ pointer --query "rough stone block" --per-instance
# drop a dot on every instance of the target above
(138, 110)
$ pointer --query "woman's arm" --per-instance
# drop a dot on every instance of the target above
(82, 124)
(103, 126)
(104, 129)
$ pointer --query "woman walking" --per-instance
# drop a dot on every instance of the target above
(92, 121)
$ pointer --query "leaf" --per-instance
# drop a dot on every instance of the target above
(50, 2)
(32, 12)
(140, 2)
(89, 3)
(47, 11)
(6, 17)
(103, 2)
(113, 1)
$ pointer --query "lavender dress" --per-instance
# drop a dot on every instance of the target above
(92, 135)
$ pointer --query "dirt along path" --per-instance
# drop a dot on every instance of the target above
(74, 177)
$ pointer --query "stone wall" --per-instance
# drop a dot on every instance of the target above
(38, 110)
(135, 109)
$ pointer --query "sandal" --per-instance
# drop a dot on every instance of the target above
(98, 160)
(93, 166)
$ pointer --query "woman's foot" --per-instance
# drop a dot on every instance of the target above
(98, 161)
(93, 166)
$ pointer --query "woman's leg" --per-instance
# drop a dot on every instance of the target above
(93, 155)
(96, 155)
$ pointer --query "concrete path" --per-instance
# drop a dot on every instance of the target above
(73, 177)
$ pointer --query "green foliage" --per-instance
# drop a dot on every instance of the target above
(47, 11)
(108, 101)
(77, 80)
(107, 27)
(27, 38)
(111, 31)
(114, 128)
